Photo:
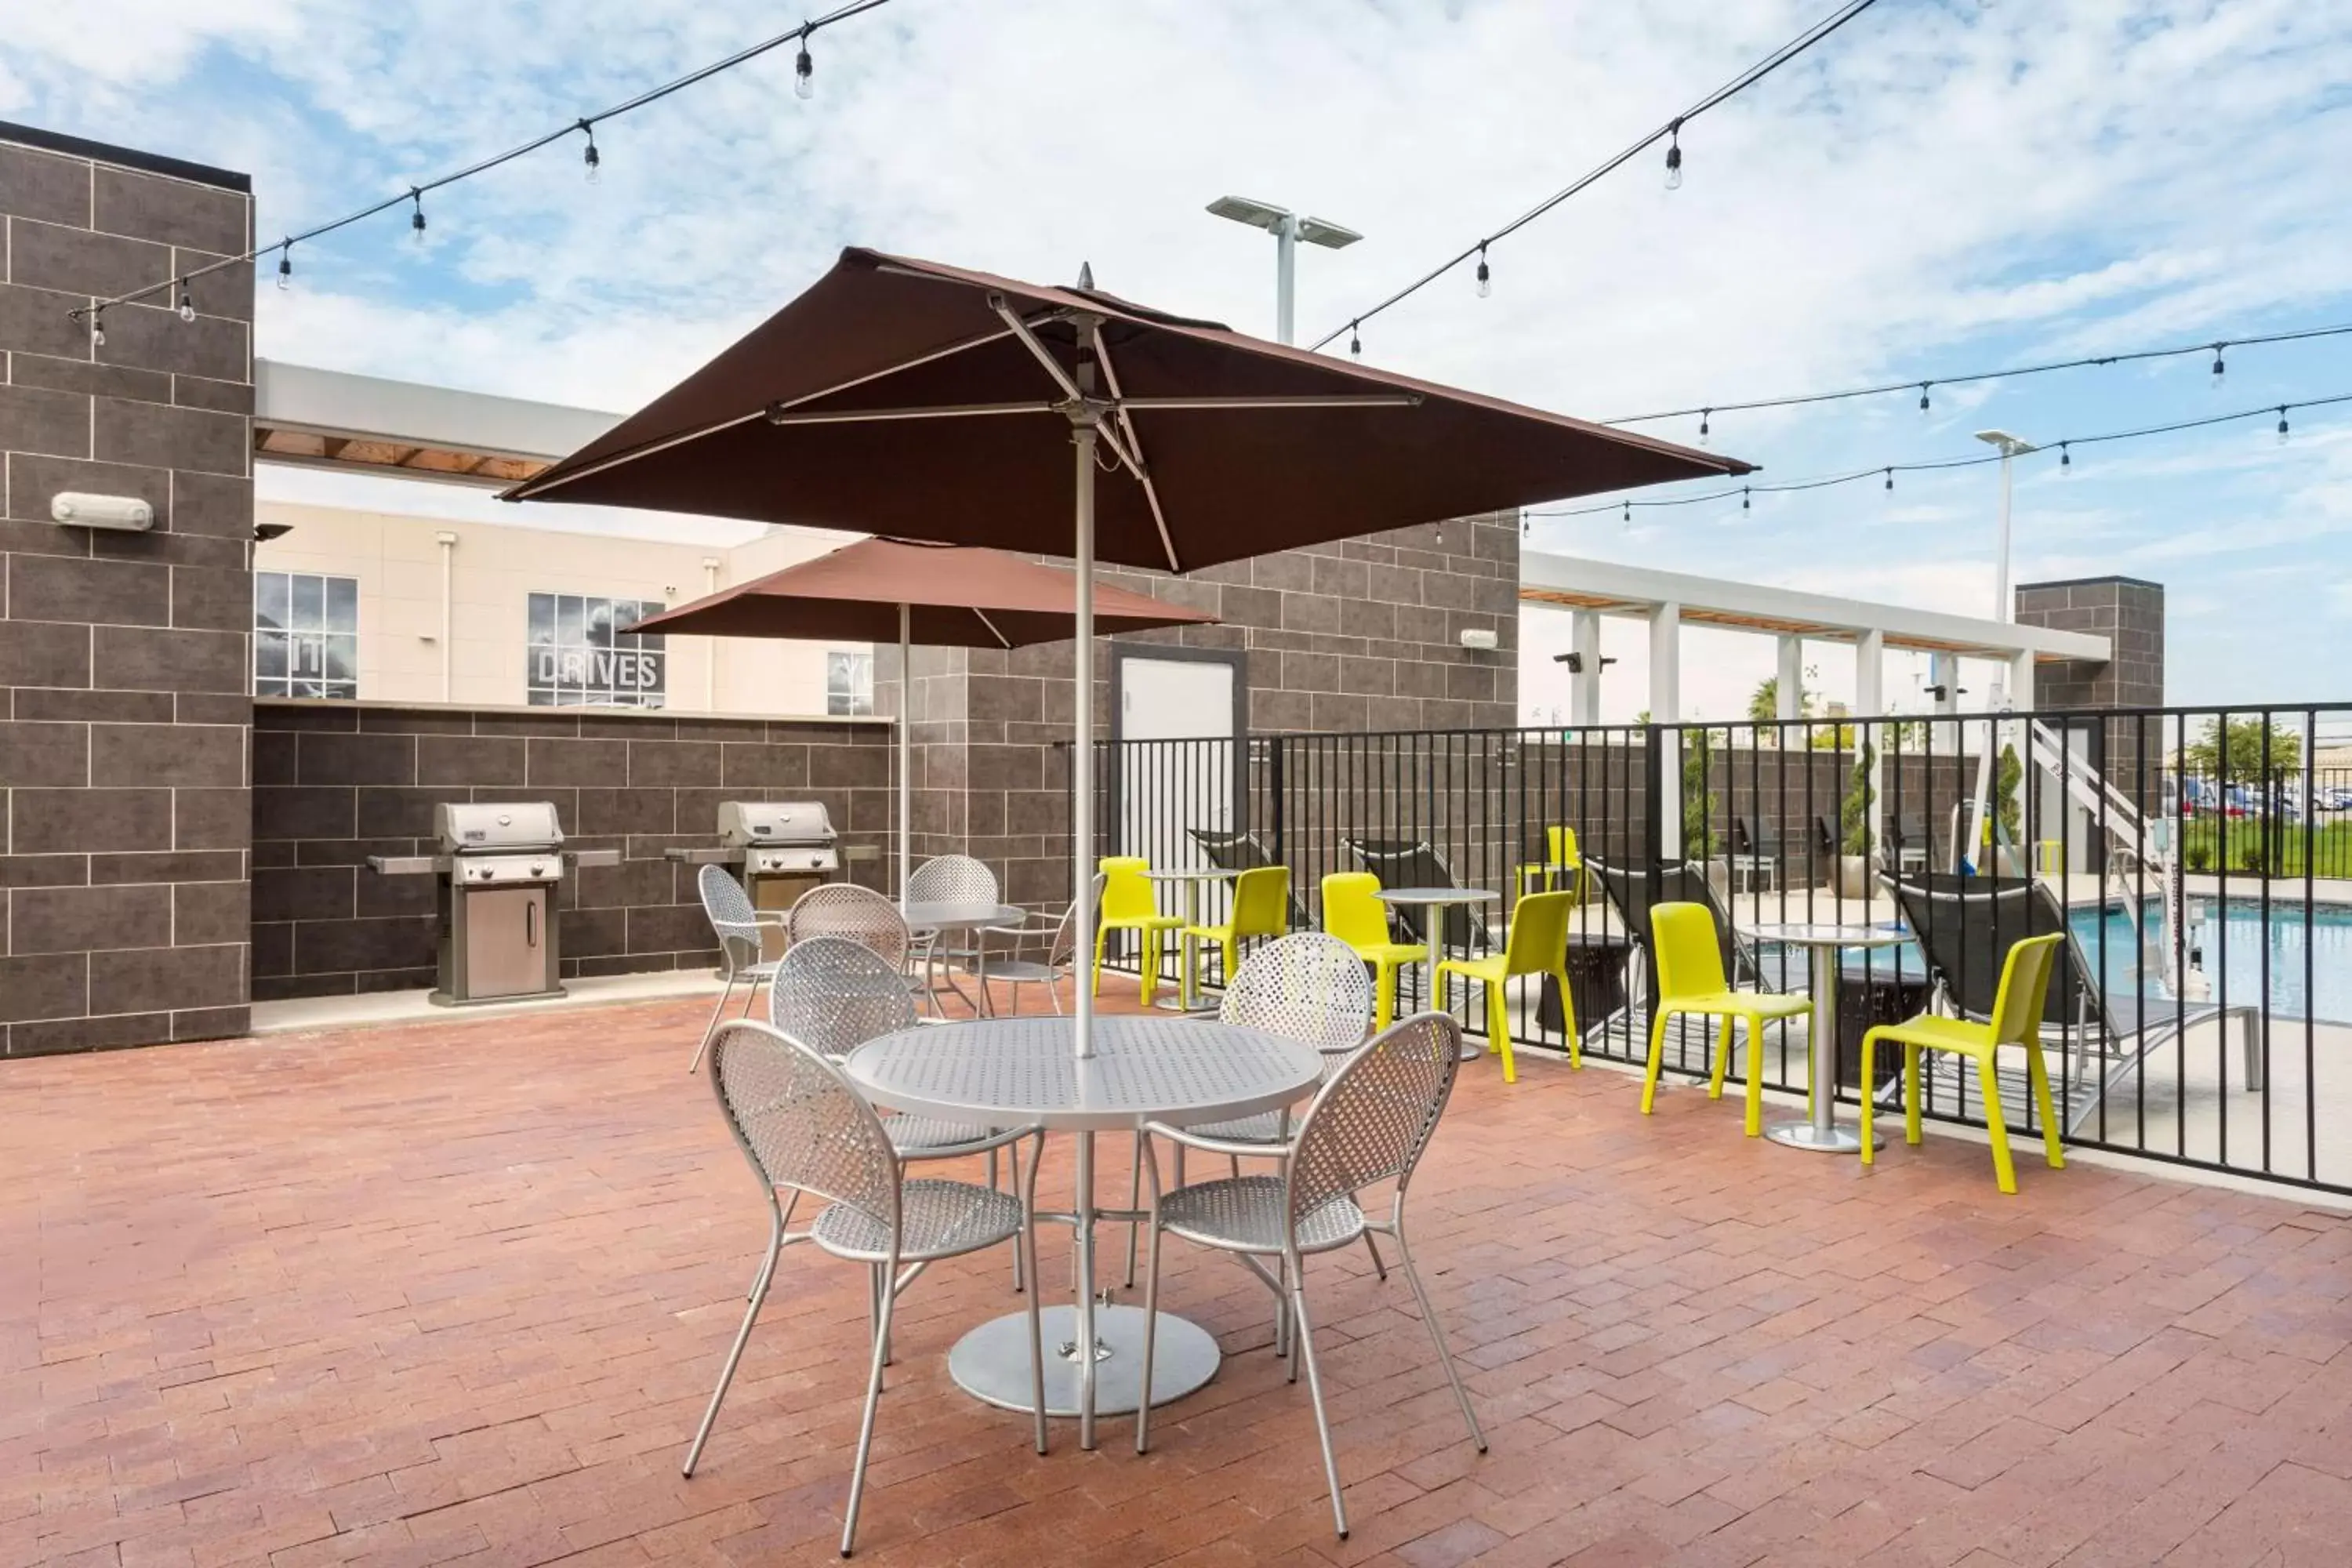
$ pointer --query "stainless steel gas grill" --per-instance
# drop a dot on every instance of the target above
(779, 849)
(499, 864)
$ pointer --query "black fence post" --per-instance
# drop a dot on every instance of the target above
(1277, 805)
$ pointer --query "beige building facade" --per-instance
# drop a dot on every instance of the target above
(380, 605)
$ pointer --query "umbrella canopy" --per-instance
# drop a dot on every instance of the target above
(885, 590)
(783, 427)
(955, 598)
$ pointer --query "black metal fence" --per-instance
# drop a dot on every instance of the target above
(2191, 858)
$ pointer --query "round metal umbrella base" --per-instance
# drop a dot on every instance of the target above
(1836, 1139)
(991, 1362)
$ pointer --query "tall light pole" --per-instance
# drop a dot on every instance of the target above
(2011, 448)
(1287, 228)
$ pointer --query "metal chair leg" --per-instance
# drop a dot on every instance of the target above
(1436, 1334)
(1315, 1391)
(725, 989)
(1378, 1268)
(735, 1352)
(888, 1298)
(1150, 1307)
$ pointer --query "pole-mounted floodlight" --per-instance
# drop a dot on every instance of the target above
(1287, 228)
(2011, 448)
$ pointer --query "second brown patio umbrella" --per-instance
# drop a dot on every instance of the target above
(905, 397)
(938, 595)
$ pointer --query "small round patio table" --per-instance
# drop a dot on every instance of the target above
(1192, 877)
(1007, 1072)
(946, 915)
(1823, 1133)
(1437, 900)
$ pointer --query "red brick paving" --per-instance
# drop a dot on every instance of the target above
(455, 1293)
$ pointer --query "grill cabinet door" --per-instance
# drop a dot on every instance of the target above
(506, 942)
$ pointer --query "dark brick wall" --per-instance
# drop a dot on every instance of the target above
(335, 783)
(123, 713)
(2126, 611)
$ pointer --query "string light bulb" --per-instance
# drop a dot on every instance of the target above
(2282, 425)
(1743, 498)
(589, 158)
(1890, 478)
(416, 219)
(187, 303)
(97, 328)
(1705, 415)
(804, 69)
(1486, 279)
(1923, 395)
(2220, 368)
(1355, 340)
(1675, 154)
(2065, 461)
(1629, 514)
(285, 267)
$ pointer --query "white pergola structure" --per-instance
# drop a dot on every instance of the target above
(316, 418)
(1588, 590)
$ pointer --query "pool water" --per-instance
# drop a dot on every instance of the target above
(2237, 941)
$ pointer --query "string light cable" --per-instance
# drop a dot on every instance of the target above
(1886, 471)
(593, 158)
(1707, 412)
(1669, 132)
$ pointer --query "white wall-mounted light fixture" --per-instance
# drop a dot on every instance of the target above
(127, 514)
(1480, 639)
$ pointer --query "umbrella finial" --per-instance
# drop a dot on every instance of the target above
(1085, 274)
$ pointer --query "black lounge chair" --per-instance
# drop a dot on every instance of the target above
(1908, 847)
(1755, 847)
(1966, 926)
(1244, 851)
(1415, 863)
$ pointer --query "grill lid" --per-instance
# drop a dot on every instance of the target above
(765, 822)
(483, 827)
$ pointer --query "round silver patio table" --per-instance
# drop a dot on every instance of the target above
(944, 915)
(1192, 877)
(1823, 1133)
(1005, 1072)
(1437, 900)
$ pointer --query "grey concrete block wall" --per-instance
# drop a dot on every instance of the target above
(2129, 611)
(124, 809)
(335, 783)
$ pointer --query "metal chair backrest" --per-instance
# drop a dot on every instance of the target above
(1352, 910)
(1262, 901)
(1561, 843)
(1373, 1118)
(1752, 835)
(953, 880)
(1242, 851)
(1689, 946)
(834, 994)
(1307, 987)
(1126, 892)
(1537, 941)
(729, 910)
(860, 914)
(1636, 893)
(1966, 927)
(1063, 950)
(2024, 988)
(800, 1123)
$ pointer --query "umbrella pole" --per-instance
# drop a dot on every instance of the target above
(1082, 762)
(905, 749)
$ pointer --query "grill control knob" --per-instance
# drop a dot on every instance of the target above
(536, 868)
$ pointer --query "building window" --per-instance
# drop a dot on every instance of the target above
(306, 635)
(848, 682)
(580, 655)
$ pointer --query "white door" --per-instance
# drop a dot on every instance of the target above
(1176, 754)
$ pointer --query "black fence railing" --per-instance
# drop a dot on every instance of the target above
(2199, 861)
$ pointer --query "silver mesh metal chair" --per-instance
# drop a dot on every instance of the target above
(739, 928)
(949, 879)
(833, 994)
(859, 914)
(1370, 1123)
(805, 1130)
(1058, 963)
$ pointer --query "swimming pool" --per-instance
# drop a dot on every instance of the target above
(2238, 941)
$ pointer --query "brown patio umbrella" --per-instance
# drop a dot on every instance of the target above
(937, 594)
(904, 397)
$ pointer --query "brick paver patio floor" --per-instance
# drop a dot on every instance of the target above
(457, 1293)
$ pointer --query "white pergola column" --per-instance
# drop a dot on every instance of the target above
(1944, 673)
(2020, 682)
(1788, 679)
(1584, 686)
(1666, 707)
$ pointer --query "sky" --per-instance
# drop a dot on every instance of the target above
(1944, 187)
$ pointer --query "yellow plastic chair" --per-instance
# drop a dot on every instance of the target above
(2016, 1020)
(1559, 855)
(1353, 912)
(1537, 943)
(1129, 904)
(1261, 908)
(1689, 955)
